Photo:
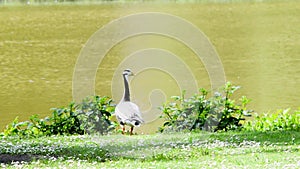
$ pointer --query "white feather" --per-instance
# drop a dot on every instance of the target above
(128, 113)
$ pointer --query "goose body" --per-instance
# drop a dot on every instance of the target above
(127, 112)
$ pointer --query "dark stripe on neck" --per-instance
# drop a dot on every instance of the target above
(126, 96)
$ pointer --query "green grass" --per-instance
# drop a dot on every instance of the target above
(184, 150)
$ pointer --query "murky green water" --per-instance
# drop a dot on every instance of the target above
(258, 44)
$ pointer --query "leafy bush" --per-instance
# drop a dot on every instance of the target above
(95, 114)
(225, 113)
(282, 120)
(18, 128)
(63, 121)
(90, 116)
(201, 113)
(185, 114)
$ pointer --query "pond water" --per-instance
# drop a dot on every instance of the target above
(258, 45)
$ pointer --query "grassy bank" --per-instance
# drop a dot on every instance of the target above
(184, 150)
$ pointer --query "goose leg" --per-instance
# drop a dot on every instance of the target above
(123, 130)
(131, 129)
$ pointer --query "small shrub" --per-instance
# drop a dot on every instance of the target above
(17, 128)
(90, 116)
(63, 121)
(282, 120)
(185, 114)
(218, 113)
(95, 114)
(225, 112)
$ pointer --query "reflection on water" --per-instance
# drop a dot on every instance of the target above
(257, 43)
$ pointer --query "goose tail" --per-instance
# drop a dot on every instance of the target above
(136, 123)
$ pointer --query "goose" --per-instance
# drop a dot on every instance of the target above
(127, 112)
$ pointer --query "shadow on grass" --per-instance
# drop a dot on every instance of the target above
(271, 137)
(86, 152)
(10, 158)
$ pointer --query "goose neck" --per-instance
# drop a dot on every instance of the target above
(126, 96)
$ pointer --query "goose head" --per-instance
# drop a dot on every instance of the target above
(128, 72)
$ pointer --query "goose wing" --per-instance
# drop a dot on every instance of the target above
(129, 113)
